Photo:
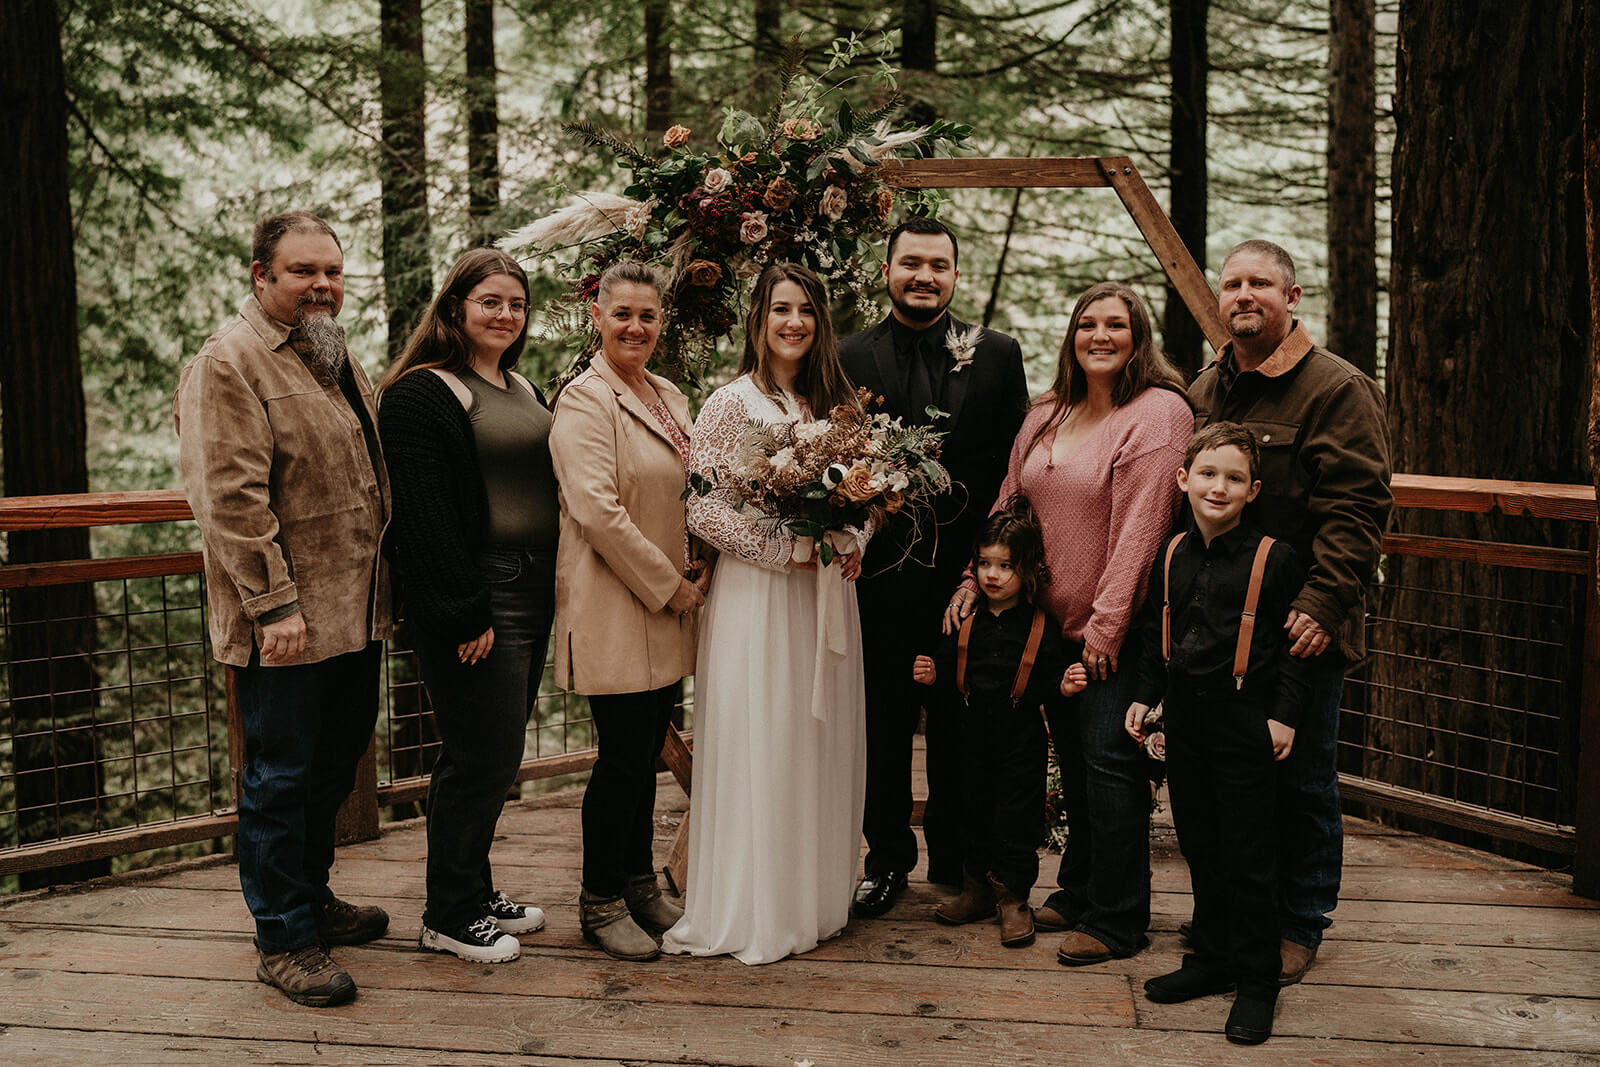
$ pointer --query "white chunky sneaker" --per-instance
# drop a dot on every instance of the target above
(511, 917)
(480, 941)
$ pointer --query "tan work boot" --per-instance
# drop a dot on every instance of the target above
(648, 907)
(1016, 918)
(343, 923)
(974, 904)
(605, 922)
(307, 976)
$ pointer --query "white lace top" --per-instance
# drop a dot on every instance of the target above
(718, 438)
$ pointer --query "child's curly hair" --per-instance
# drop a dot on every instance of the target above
(1016, 528)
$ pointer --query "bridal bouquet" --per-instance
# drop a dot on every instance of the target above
(816, 480)
(799, 183)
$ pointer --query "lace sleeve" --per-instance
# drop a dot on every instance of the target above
(717, 518)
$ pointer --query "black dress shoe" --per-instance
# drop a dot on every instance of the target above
(1250, 1021)
(877, 893)
(1187, 983)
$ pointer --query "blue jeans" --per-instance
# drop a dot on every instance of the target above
(306, 727)
(482, 712)
(1104, 877)
(1310, 822)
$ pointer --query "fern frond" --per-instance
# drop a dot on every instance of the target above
(793, 64)
(597, 136)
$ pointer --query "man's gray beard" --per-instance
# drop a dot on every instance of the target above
(324, 341)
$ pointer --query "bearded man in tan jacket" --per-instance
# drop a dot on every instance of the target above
(279, 452)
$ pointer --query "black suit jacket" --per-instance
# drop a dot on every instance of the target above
(986, 401)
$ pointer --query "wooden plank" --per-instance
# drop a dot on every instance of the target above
(1454, 813)
(157, 565)
(1586, 853)
(357, 819)
(678, 757)
(1542, 500)
(1004, 173)
(1181, 270)
(1494, 553)
(116, 843)
(65, 511)
(407, 790)
(675, 868)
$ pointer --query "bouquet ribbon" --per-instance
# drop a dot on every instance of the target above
(831, 627)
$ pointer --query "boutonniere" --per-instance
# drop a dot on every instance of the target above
(963, 346)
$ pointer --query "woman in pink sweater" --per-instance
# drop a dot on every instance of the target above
(1097, 457)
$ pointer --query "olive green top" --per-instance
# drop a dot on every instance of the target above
(511, 430)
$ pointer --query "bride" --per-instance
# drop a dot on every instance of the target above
(779, 763)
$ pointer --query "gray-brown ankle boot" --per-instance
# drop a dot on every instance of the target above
(605, 922)
(974, 904)
(648, 907)
(1016, 918)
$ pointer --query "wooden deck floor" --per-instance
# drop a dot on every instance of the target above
(1440, 954)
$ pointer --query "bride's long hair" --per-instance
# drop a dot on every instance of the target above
(820, 381)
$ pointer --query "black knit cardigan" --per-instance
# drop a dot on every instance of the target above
(440, 509)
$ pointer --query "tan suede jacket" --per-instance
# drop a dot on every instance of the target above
(1324, 469)
(622, 534)
(290, 510)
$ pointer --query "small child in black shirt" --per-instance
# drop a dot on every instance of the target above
(1233, 695)
(999, 667)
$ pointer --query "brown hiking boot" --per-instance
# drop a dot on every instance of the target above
(341, 923)
(652, 911)
(974, 904)
(307, 976)
(605, 922)
(1016, 918)
(1296, 961)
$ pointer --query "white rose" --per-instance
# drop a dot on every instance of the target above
(715, 180)
(752, 226)
(832, 203)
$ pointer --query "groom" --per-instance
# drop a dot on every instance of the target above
(921, 356)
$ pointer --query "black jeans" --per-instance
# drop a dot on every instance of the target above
(619, 805)
(482, 713)
(306, 727)
(1004, 754)
(1223, 784)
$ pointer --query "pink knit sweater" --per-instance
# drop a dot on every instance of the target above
(1106, 510)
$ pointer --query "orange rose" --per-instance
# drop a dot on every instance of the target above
(676, 137)
(893, 501)
(780, 194)
(857, 485)
(885, 203)
(703, 273)
(802, 129)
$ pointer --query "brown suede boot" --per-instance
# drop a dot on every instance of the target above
(974, 904)
(1016, 918)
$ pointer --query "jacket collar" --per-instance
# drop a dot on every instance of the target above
(1290, 351)
(677, 403)
(269, 329)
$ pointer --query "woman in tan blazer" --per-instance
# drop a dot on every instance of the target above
(627, 598)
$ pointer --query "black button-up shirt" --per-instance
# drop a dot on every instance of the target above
(922, 361)
(994, 651)
(1209, 583)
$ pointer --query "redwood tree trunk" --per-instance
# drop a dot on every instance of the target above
(1185, 341)
(1487, 376)
(483, 120)
(1352, 184)
(919, 51)
(51, 631)
(658, 114)
(403, 168)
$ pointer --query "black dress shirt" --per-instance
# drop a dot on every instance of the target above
(1209, 583)
(923, 362)
(994, 650)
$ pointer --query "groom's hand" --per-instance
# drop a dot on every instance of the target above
(922, 671)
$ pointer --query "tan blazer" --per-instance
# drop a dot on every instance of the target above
(621, 553)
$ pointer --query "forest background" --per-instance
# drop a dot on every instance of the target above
(1433, 165)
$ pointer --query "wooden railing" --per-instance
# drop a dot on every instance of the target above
(1576, 751)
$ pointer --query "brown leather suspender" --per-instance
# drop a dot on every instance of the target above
(1030, 653)
(1247, 622)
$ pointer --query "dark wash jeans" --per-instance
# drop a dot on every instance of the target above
(306, 727)
(1310, 821)
(482, 713)
(1104, 877)
(619, 804)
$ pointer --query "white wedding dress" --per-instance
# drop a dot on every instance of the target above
(779, 777)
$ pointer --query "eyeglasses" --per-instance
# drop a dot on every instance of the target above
(493, 305)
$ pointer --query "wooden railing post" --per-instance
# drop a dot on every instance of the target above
(1586, 855)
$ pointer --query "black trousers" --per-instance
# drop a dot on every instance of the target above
(1004, 757)
(900, 615)
(1223, 784)
(619, 804)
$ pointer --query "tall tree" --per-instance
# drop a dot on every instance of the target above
(483, 119)
(1352, 183)
(51, 632)
(403, 168)
(658, 86)
(919, 54)
(1185, 341)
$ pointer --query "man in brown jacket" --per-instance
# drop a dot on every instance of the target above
(280, 461)
(1325, 490)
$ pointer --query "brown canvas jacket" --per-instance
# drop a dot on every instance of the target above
(1324, 469)
(276, 469)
